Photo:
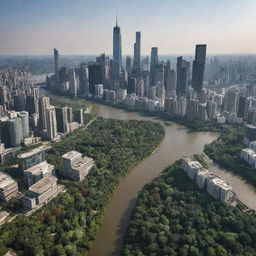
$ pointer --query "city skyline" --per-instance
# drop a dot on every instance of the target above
(84, 27)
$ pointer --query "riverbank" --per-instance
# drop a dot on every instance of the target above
(174, 217)
(68, 224)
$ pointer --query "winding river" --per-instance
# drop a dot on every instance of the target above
(178, 142)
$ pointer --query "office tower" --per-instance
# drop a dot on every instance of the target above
(70, 114)
(63, 75)
(128, 65)
(32, 104)
(98, 91)
(131, 88)
(160, 91)
(153, 63)
(56, 69)
(15, 131)
(202, 112)
(198, 67)
(23, 115)
(231, 100)
(72, 82)
(159, 74)
(84, 80)
(51, 123)
(136, 60)
(5, 134)
(20, 103)
(140, 87)
(182, 76)
(44, 103)
(171, 83)
(103, 61)
(3, 95)
(191, 110)
(117, 54)
(79, 116)
(145, 64)
(62, 119)
(95, 77)
(146, 80)
(241, 107)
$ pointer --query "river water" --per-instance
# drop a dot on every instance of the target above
(178, 142)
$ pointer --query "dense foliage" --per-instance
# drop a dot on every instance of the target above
(226, 151)
(68, 224)
(174, 217)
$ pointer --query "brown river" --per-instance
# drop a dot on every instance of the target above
(178, 142)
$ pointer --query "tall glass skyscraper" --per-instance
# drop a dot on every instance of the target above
(198, 67)
(136, 61)
(117, 53)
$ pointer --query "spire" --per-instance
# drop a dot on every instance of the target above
(116, 20)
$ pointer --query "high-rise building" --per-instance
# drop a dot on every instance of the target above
(15, 131)
(117, 53)
(44, 103)
(153, 63)
(56, 69)
(136, 60)
(23, 115)
(198, 67)
(171, 83)
(79, 116)
(20, 103)
(182, 76)
(51, 123)
(95, 77)
(128, 65)
(62, 119)
(72, 83)
(32, 104)
(84, 80)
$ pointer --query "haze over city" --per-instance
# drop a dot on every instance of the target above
(84, 27)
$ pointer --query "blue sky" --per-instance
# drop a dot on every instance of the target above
(85, 26)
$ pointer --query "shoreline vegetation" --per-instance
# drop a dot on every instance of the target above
(67, 225)
(174, 217)
(225, 151)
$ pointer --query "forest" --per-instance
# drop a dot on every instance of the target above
(174, 217)
(68, 224)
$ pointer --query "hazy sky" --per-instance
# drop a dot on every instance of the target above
(85, 26)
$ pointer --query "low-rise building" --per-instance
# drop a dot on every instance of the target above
(40, 192)
(8, 187)
(76, 167)
(33, 157)
(38, 171)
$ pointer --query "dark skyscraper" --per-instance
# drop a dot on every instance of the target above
(128, 64)
(153, 63)
(117, 54)
(198, 67)
(182, 76)
(136, 60)
(95, 77)
(56, 68)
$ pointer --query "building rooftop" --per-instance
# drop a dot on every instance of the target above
(3, 215)
(72, 155)
(40, 168)
(203, 171)
(221, 183)
(5, 181)
(31, 152)
(43, 185)
(83, 163)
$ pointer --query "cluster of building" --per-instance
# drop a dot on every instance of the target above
(154, 85)
(40, 177)
(26, 117)
(205, 179)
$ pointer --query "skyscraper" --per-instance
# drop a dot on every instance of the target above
(182, 76)
(44, 103)
(198, 67)
(153, 63)
(136, 60)
(51, 123)
(62, 119)
(117, 54)
(56, 69)
(128, 65)
(72, 83)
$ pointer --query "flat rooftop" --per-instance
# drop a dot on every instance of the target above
(31, 152)
(40, 168)
(221, 183)
(5, 180)
(72, 155)
(83, 163)
(43, 185)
